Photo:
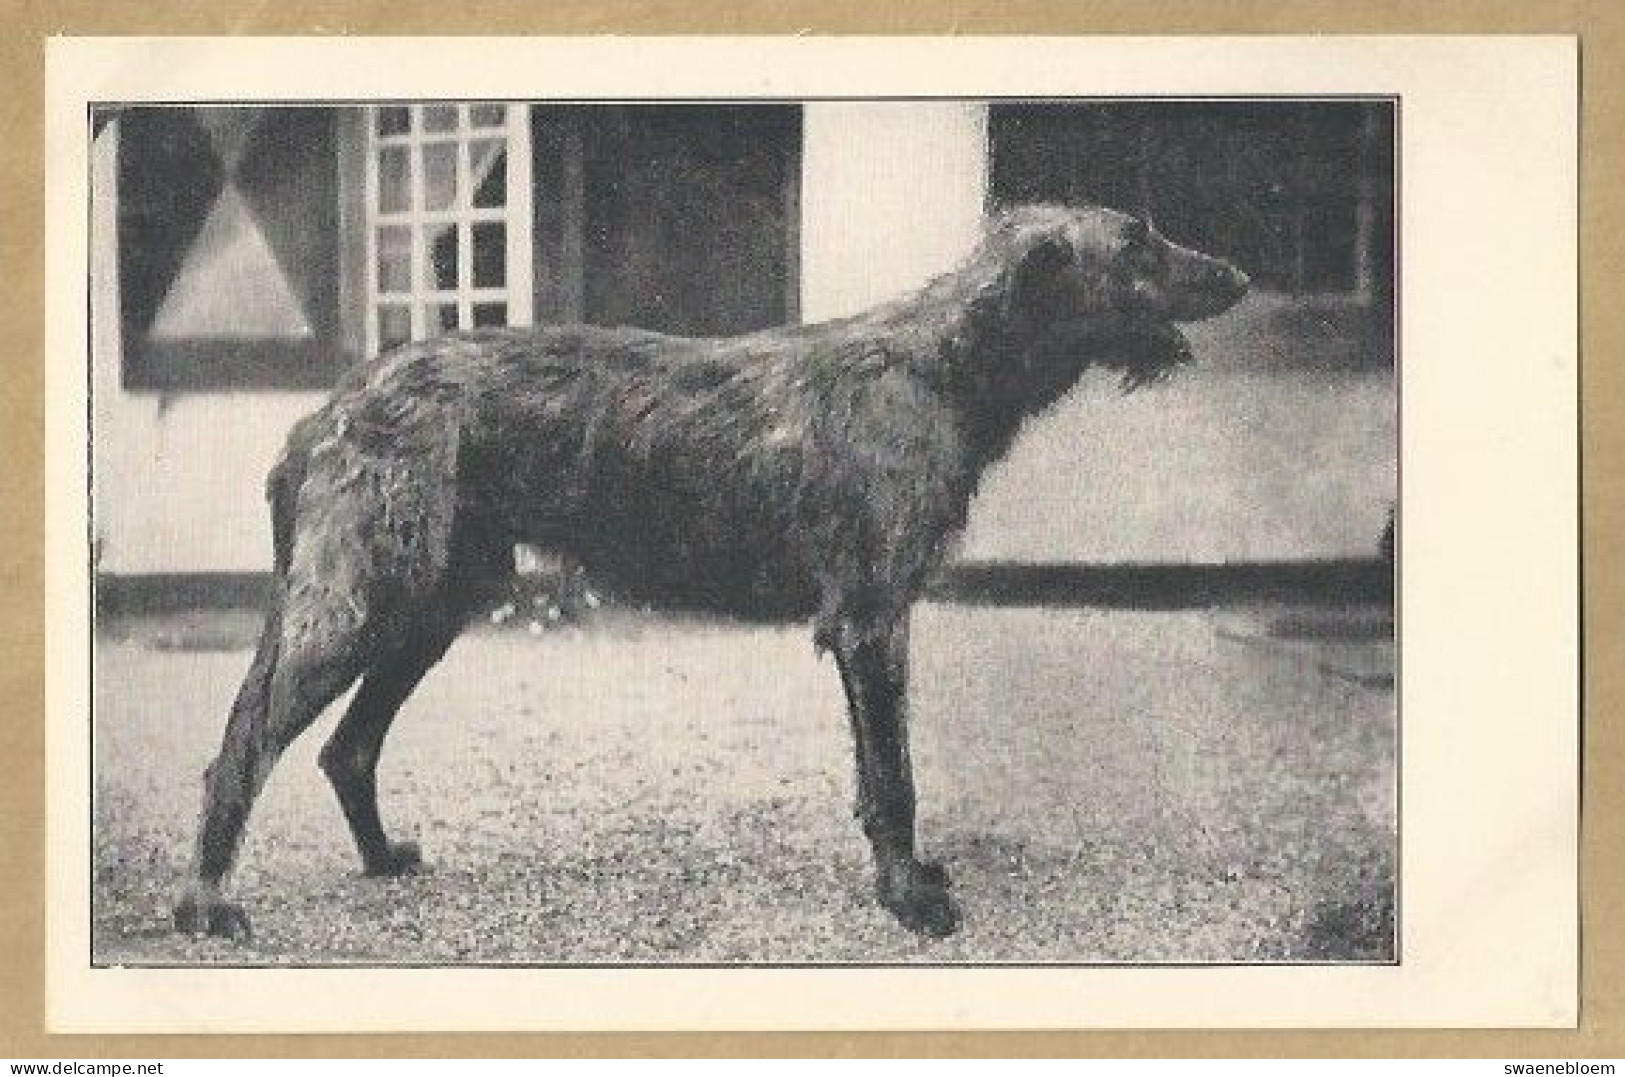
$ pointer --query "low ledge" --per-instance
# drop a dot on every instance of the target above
(1156, 587)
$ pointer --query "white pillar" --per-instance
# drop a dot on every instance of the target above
(891, 194)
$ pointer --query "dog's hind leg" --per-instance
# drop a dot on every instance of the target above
(277, 701)
(350, 757)
(226, 800)
(873, 659)
(368, 541)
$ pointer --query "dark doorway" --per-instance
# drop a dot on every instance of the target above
(679, 218)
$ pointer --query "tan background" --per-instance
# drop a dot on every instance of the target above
(22, 930)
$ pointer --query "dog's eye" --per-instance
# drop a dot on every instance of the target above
(1136, 235)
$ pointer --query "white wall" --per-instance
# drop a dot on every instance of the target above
(178, 478)
(891, 193)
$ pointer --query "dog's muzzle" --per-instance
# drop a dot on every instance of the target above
(1200, 286)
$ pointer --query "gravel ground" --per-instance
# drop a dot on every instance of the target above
(1104, 787)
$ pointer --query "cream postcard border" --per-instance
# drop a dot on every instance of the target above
(1489, 613)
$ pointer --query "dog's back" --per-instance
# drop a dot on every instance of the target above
(679, 471)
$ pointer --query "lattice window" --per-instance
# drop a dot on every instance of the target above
(448, 200)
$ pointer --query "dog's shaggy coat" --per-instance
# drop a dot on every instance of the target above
(811, 472)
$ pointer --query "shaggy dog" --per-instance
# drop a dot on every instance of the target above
(810, 472)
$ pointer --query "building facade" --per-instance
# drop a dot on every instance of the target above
(244, 256)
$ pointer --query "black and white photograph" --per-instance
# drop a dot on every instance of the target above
(772, 531)
(608, 513)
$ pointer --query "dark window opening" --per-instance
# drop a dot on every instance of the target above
(679, 218)
(1299, 193)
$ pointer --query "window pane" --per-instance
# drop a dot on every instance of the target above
(490, 314)
(440, 175)
(440, 117)
(489, 164)
(394, 180)
(490, 255)
(443, 254)
(394, 120)
(394, 258)
(489, 115)
(394, 326)
(442, 317)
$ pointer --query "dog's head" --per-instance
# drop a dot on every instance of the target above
(1110, 284)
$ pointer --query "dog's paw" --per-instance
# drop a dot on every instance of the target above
(917, 894)
(195, 915)
(401, 858)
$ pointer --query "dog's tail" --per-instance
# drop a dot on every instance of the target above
(282, 497)
(286, 479)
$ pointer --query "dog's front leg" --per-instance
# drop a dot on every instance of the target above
(873, 659)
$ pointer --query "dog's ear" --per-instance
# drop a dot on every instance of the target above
(1034, 281)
